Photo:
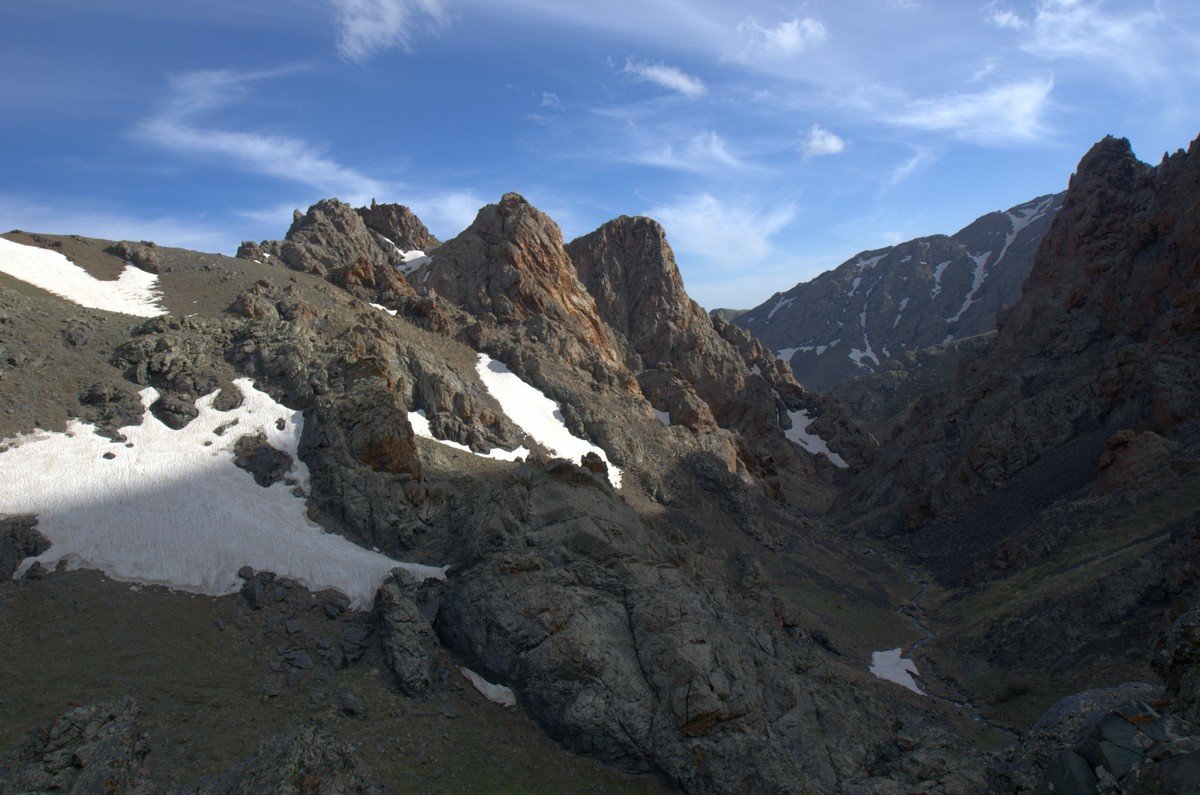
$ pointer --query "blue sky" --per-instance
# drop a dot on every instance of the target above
(773, 140)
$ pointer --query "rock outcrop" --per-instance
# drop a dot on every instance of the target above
(399, 225)
(870, 311)
(93, 748)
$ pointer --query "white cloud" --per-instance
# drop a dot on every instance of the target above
(1004, 18)
(367, 27)
(666, 76)
(196, 94)
(702, 153)
(786, 39)
(727, 235)
(821, 142)
(908, 167)
(1064, 29)
(1005, 114)
(551, 100)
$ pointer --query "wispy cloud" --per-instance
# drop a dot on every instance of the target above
(821, 142)
(666, 76)
(179, 128)
(1131, 40)
(367, 27)
(784, 40)
(1004, 17)
(702, 153)
(551, 100)
(908, 167)
(726, 234)
(1009, 113)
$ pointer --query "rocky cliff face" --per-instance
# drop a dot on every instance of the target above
(677, 349)
(884, 303)
(1102, 339)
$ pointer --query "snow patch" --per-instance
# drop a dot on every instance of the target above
(786, 353)
(854, 286)
(814, 444)
(391, 312)
(663, 417)
(900, 312)
(504, 696)
(865, 264)
(938, 270)
(411, 260)
(537, 415)
(977, 279)
(421, 427)
(893, 667)
(782, 303)
(169, 507)
(134, 292)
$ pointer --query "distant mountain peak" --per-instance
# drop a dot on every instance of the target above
(883, 302)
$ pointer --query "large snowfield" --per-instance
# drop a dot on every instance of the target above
(169, 507)
(133, 293)
(537, 415)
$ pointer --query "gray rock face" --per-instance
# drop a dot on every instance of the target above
(95, 748)
(18, 541)
(633, 661)
(883, 303)
(410, 646)
(307, 760)
(267, 464)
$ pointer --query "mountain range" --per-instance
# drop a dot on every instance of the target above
(512, 512)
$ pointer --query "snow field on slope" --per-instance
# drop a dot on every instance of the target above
(893, 667)
(133, 293)
(420, 426)
(537, 415)
(170, 507)
(814, 444)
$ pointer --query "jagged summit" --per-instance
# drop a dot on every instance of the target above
(399, 225)
(510, 263)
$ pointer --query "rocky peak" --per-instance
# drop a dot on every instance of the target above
(332, 240)
(400, 225)
(629, 268)
(510, 265)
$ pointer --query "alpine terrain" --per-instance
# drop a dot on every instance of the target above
(361, 510)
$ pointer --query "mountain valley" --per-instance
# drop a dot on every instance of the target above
(360, 509)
